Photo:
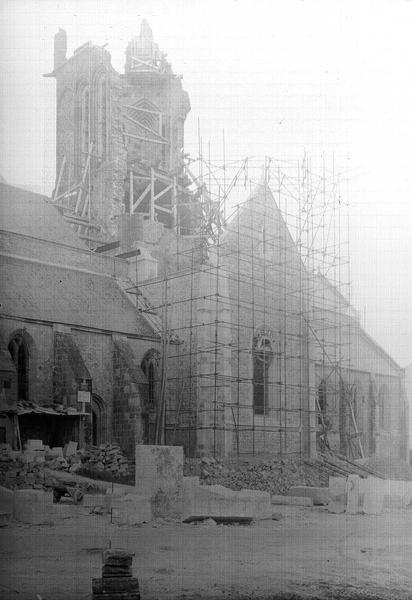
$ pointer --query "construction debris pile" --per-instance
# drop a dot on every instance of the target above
(14, 474)
(29, 469)
(275, 475)
(103, 459)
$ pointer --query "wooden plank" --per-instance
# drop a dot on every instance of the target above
(160, 194)
(141, 197)
(131, 191)
(86, 169)
(149, 129)
(56, 191)
(153, 112)
(129, 254)
(163, 209)
(152, 182)
(139, 137)
(107, 247)
(68, 192)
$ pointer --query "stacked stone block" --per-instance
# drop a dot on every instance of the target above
(116, 582)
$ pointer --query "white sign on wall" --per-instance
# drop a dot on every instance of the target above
(83, 396)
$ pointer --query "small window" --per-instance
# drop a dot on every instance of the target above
(20, 355)
(150, 367)
(262, 355)
(7, 384)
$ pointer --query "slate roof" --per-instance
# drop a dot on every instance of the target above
(32, 214)
(35, 290)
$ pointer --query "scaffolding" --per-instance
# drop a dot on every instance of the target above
(256, 312)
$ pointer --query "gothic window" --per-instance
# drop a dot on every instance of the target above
(85, 124)
(150, 367)
(83, 133)
(20, 354)
(262, 355)
(101, 93)
(98, 420)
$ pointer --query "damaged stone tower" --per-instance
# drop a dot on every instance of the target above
(119, 137)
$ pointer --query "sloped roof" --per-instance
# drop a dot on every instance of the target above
(57, 294)
(32, 214)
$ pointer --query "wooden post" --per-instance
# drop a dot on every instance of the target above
(131, 193)
(152, 193)
(56, 191)
(174, 204)
(86, 169)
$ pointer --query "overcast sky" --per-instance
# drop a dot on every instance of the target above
(281, 78)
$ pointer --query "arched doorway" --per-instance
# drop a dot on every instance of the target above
(98, 420)
(19, 351)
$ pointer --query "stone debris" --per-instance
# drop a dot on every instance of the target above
(106, 457)
(275, 475)
(117, 582)
(27, 469)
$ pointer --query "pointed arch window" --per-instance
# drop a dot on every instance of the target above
(101, 96)
(262, 355)
(20, 354)
(85, 124)
(83, 133)
(150, 367)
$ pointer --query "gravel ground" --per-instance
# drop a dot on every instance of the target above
(307, 554)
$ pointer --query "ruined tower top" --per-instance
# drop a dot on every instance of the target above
(143, 54)
(60, 48)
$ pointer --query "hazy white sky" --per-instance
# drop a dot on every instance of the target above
(281, 77)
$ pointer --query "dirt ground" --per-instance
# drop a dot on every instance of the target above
(308, 553)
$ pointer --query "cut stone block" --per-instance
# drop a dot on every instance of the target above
(57, 452)
(115, 588)
(319, 495)
(70, 448)
(292, 500)
(353, 495)
(34, 445)
(374, 494)
(33, 506)
(33, 456)
(216, 501)
(159, 478)
(337, 495)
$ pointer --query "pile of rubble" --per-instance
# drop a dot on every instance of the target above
(274, 475)
(106, 458)
(27, 469)
(16, 475)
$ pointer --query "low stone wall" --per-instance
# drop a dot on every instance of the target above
(211, 501)
(368, 496)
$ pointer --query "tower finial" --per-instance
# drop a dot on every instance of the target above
(142, 53)
(60, 48)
